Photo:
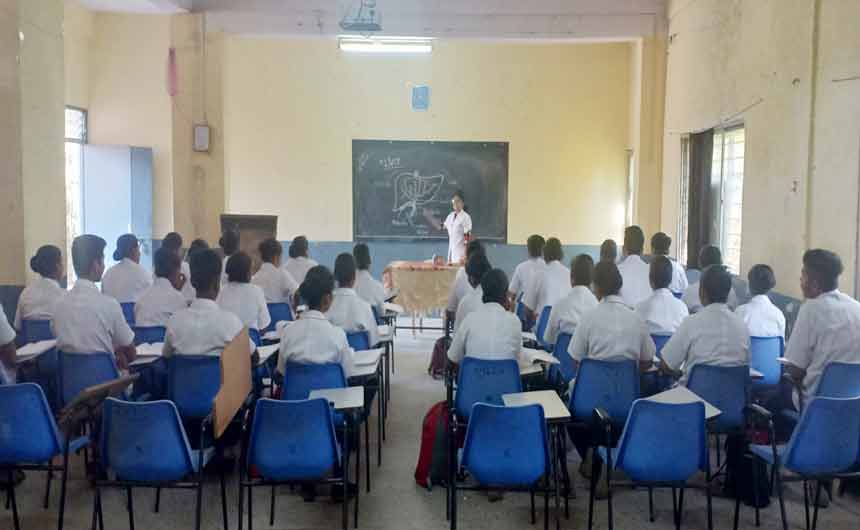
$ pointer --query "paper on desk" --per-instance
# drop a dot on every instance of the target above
(36, 348)
(271, 335)
(154, 349)
(529, 355)
(367, 357)
(267, 351)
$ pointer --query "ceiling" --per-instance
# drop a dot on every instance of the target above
(529, 19)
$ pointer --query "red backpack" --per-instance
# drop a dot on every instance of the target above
(432, 467)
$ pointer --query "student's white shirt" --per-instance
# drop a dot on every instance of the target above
(203, 328)
(827, 330)
(713, 336)
(637, 283)
(763, 319)
(523, 274)
(679, 278)
(490, 333)
(459, 289)
(7, 334)
(278, 284)
(299, 267)
(247, 302)
(188, 290)
(351, 313)
(662, 312)
(612, 331)
(224, 278)
(370, 290)
(547, 287)
(158, 303)
(87, 321)
(313, 339)
(471, 302)
(125, 281)
(37, 301)
(694, 303)
(568, 312)
(457, 225)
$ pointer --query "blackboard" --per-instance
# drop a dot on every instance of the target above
(400, 187)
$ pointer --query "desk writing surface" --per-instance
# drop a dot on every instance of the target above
(554, 408)
(530, 368)
(365, 370)
(367, 357)
(348, 398)
(267, 351)
(30, 351)
(680, 395)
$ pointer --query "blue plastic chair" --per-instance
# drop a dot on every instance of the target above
(301, 379)
(839, 380)
(149, 335)
(609, 385)
(192, 383)
(30, 440)
(128, 312)
(255, 336)
(564, 372)
(678, 295)
(36, 330)
(520, 311)
(662, 445)
(764, 352)
(281, 312)
(358, 340)
(484, 381)
(728, 389)
(660, 340)
(543, 320)
(77, 371)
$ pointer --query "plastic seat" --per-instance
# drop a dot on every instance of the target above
(358, 340)
(609, 385)
(192, 383)
(77, 371)
(255, 336)
(542, 323)
(281, 312)
(564, 372)
(128, 312)
(484, 381)
(725, 387)
(839, 380)
(149, 335)
(764, 352)
(36, 330)
(660, 340)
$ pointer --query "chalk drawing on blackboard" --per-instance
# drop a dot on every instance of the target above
(413, 191)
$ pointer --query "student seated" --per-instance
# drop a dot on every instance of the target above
(490, 332)
(477, 266)
(299, 263)
(550, 285)
(633, 269)
(85, 320)
(461, 287)
(278, 285)
(662, 311)
(713, 336)
(347, 310)
(525, 271)
(367, 288)
(241, 297)
(763, 319)
(38, 299)
(173, 241)
(568, 312)
(8, 352)
(660, 245)
(158, 303)
(609, 251)
(229, 242)
(313, 339)
(126, 280)
(202, 328)
(708, 256)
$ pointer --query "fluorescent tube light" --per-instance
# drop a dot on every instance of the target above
(397, 45)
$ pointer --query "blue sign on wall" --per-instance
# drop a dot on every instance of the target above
(420, 97)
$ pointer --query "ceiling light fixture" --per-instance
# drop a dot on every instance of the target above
(395, 45)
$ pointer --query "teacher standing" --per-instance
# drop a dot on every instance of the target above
(458, 224)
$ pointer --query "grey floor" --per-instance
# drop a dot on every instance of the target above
(396, 502)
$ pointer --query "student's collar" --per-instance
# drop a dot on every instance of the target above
(632, 256)
(268, 265)
(204, 303)
(49, 280)
(494, 306)
(613, 299)
(347, 291)
(664, 291)
(716, 307)
(164, 282)
(128, 261)
(759, 298)
(314, 314)
(83, 283)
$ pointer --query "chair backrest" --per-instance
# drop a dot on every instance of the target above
(725, 387)
(149, 334)
(128, 312)
(484, 381)
(301, 379)
(280, 313)
(839, 380)
(144, 441)
(192, 383)
(827, 437)
(36, 330)
(77, 371)
(506, 446)
(678, 295)
(255, 336)
(565, 368)
(358, 340)
(293, 440)
(663, 442)
(660, 340)
(764, 352)
(610, 385)
(376, 316)
(543, 320)
(28, 433)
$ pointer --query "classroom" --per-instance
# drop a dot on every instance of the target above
(405, 264)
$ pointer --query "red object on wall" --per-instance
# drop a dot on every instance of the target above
(172, 75)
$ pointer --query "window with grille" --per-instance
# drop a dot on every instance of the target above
(76, 137)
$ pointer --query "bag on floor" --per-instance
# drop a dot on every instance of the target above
(739, 474)
(432, 465)
(439, 360)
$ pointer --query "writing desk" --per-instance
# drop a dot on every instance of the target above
(681, 395)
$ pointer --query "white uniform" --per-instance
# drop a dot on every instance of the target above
(158, 303)
(471, 302)
(278, 284)
(662, 312)
(827, 330)
(312, 339)
(299, 267)
(459, 289)
(568, 312)
(679, 278)
(87, 321)
(201, 329)
(763, 319)
(370, 290)
(188, 290)
(612, 331)
(548, 287)
(523, 275)
(351, 313)
(247, 302)
(7, 335)
(713, 336)
(489, 333)
(125, 281)
(457, 225)
(37, 301)
(694, 303)
(637, 283)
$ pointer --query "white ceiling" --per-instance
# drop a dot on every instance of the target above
(137, 6)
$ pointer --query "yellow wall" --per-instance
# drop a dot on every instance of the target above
(292, 107)
(77, 43)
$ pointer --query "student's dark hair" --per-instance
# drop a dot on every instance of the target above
(361, 253)
(239, 268)
(475, 246)
(582, 269)
(494, 284)
(298, 247)
(344, 268)
(710, 255)
(124, 245)
(661, 243)
(661, 272)
(535, 245)
(634, 240)
(205, 269)
(477, 266)
(761, 279)
(173, 241)
(318, 283)
(824, 267)
(46, 262)
(229, 241)
(609, 251)
(196, 246)
(459, 194)
(607, 278)
(166, 262)
(86, 249)
(270, 249)
(716, 281)
(552, 250)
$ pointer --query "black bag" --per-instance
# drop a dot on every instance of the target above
(740, 466)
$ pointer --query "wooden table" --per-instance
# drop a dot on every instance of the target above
(423, 287)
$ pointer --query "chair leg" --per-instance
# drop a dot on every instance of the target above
(50, 477)
(454, 500)
(224, 498)
(651, 504)
(737, 508)
(101, 515)
(199, 507)
(63, 480)
(130, 508)
(815, 511)
(367, 449)
(806, 502)
(780, 492)
(680, 509)
(12, 500)
(595, 471)
(95, 508)
(379, 399)
(272, 508)
(157, 499)
(719, 452)
(532, 498)
(755, 492)
(241, 501)
(609, 485)
(710, 504)
(674, 505)
(546, 505)
(250, 508)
